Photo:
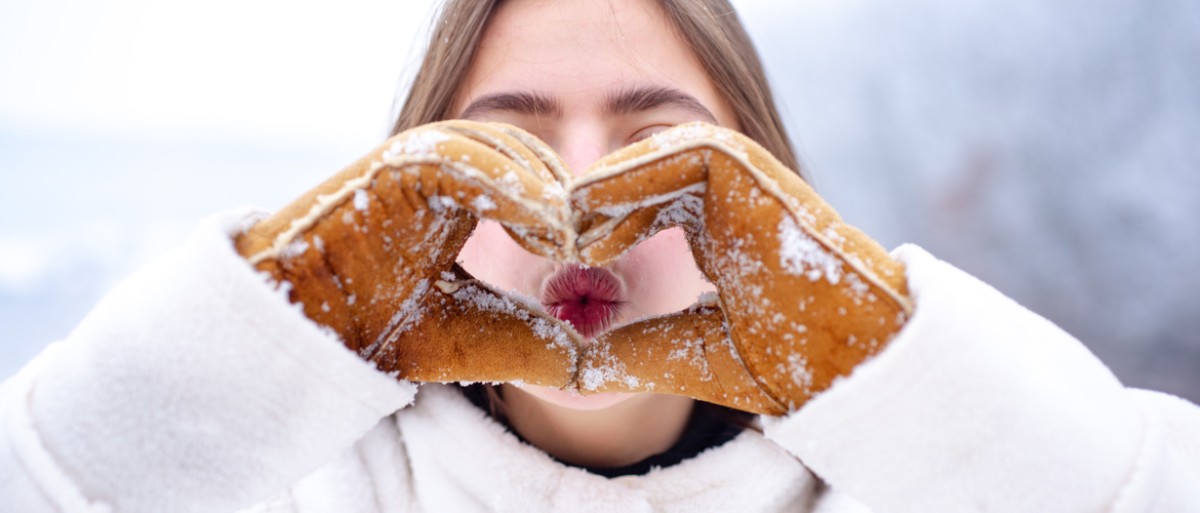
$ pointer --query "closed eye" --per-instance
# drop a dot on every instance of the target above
(646, 133)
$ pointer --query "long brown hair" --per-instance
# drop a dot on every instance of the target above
(711, 27)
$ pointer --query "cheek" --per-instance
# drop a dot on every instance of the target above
(490, 255)
(661, 275)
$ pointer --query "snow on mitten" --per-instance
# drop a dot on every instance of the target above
(802, 297)
(370, 254)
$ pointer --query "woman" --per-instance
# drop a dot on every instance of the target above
(198, 387)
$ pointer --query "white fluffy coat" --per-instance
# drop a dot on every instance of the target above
(195, 387)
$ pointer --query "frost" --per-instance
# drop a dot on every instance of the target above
(800, 373)
(601, 369)
(407, 315)
(295, 249)
(688, 209)
(420, 142)
(510, 181)
(691, 352)
(801, 255)
(832, 235)
(857, 286)
(483, 203)
(709, 298)
(360, 200)
(689, 205)
(554, 191)
(685, 134)
(441, 203)
(489, 301)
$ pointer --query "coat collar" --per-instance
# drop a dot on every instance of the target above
(462, 460)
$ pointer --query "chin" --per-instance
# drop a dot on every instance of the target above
(572, 400)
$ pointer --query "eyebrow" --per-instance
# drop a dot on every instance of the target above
(639, 99)
(530, 103)
(626, 101)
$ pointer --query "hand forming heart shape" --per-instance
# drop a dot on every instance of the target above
(802, 298)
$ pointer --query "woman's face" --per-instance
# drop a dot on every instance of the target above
(588, 78)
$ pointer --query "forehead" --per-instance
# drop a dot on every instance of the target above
(576, 49)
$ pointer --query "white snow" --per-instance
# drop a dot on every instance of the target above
(483, 203)
(802, 255)
(417, 143)
(295, 249)
(489, 301)
(406, 316)
(360, 200)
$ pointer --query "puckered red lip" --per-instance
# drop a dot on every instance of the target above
(588, 298)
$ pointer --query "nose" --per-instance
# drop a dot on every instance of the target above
(581, 145)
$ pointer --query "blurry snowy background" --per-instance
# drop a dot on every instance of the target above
(1051, 147)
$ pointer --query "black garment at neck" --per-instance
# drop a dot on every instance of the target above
(708, 426)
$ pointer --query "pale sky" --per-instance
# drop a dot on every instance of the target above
(320, 72)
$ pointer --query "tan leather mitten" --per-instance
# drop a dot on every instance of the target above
(370, 254)
(802, 297)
